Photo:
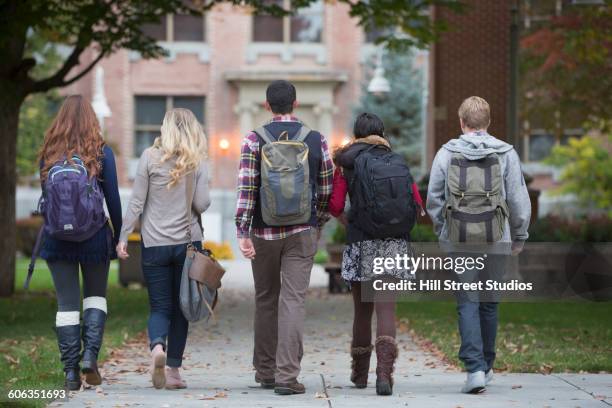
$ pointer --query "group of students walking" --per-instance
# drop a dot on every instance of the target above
(289, 184)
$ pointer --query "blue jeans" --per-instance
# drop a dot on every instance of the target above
(478, 330)
(162, 267)
(477, 312)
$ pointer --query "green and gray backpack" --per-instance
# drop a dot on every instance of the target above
(475, 210)
(285, 191)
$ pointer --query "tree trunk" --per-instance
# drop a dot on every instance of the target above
(10, 101)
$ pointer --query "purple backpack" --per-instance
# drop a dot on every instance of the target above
(72, 204)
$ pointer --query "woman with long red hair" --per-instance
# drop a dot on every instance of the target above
(78, 174)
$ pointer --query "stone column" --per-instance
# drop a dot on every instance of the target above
(325, 114)
(246, 111)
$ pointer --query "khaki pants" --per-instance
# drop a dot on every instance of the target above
(281, 271)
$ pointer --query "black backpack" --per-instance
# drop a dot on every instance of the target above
(382, 203)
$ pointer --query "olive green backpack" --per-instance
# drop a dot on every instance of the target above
(285, 192)
(475, 210)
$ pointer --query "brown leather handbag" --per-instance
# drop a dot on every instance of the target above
(205, 268)
(202, 273)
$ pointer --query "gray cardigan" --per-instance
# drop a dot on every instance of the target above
(161, 209)
(514, 189)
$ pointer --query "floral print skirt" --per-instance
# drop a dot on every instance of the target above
(358, 259)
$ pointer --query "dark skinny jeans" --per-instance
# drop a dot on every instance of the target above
(162, 267)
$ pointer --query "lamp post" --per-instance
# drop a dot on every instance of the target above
(513, 136)
(379, 85)
(99, 103)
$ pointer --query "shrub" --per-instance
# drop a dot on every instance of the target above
(339, 234)
(27, 232)
(321, 257)
(221, 250)
(559, 229)
(423, 233)
(586, 165)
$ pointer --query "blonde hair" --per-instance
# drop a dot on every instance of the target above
(182, 138)
(475, 113)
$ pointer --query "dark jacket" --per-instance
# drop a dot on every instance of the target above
(101, 246)
(345, 158)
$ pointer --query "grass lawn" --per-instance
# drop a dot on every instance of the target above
(532, 337)
(30, 357)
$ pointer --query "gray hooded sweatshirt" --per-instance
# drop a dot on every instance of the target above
(474, 146)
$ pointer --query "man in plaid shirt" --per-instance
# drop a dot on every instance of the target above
(281, 256)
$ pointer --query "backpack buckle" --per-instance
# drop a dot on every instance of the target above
(461, 200)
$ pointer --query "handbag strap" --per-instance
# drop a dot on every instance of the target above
(189, 188)
(210, 308)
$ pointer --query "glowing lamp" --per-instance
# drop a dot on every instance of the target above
(224, 144)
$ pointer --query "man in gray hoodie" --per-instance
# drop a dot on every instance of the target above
(478, 320)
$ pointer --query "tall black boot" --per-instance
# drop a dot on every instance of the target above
(93, 331)
(69, 342)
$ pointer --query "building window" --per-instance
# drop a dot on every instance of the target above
(178, 28)
(540, 145)
(157, 31)
(541, 142)
(149, 114)
(537, 14)
(306, 26)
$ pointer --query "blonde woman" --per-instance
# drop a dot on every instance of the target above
(159, 200)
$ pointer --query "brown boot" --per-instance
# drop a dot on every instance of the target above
(360, 365)
(386, 353)
(267, 383)
(289, 388)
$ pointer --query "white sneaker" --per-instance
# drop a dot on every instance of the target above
(488, 376)
(475, 383)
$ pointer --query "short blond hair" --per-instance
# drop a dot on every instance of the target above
(475, 113)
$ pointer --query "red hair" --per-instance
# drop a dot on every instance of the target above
(74, 131)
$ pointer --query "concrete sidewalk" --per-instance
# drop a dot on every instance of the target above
(219, 373)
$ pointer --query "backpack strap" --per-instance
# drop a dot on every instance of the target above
(268, 138)
(35, 252)
(265, 134)
(303, 133)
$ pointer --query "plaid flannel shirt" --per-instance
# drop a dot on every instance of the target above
(249, 182)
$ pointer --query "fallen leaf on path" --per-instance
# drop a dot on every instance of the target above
(546, 368)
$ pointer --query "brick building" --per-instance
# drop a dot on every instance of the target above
(473, 58)
(219, 66)
(476, 58)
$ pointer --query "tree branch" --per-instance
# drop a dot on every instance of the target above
(84, 71)
(57, 79)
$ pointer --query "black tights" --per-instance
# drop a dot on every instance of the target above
(362, 320)
(67, 287)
